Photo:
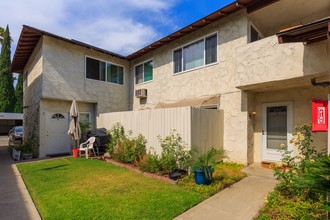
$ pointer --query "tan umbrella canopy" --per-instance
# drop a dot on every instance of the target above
(74, 127)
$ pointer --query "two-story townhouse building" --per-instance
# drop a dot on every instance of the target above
(232, 58)
(59, 70)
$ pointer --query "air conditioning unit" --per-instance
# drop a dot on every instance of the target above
(141, 93)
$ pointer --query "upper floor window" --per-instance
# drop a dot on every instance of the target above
(104, 71)
(254, 34)
(199, 53)
(144, 72)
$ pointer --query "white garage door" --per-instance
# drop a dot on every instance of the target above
(57, 139)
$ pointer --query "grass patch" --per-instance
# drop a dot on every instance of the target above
(90, 189)
(225, 174)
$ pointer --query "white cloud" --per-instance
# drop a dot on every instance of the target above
(120, 26)
(122, 36)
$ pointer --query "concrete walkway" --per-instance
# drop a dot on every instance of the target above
(15, 201)
(241, 201)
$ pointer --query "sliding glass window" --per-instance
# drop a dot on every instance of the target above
(104, 71)
(144, 72)
(197, 54)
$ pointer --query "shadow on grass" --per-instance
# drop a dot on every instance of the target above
(54, 167)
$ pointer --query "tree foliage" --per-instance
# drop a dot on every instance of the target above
(7, 92)
(1, 34)
(19, 94)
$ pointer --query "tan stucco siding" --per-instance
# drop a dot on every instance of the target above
(266, 61)
(33, 68)
(216, 78)
(32, 94)
(64, 77)
(302, 111)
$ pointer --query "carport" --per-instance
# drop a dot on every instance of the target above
(9, 120)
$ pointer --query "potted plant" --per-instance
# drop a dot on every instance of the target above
(26, 150)
(204, 165)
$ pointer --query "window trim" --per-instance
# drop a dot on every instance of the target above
(89, 116)
(142, 63)
(216, 33)
(106, 62)
(250, 24)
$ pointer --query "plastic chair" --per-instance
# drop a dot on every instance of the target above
(86, 146)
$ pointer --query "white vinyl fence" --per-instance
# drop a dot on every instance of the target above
(200, 129)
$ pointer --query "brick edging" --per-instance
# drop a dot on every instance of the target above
(135, 169)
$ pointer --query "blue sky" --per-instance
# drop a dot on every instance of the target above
(120, 26)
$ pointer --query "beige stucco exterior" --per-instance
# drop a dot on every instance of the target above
(246, 75)
(55, 75)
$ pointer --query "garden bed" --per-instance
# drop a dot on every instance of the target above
(136, 169)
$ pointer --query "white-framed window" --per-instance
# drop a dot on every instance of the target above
(104, 71)
(144, 72)
(199, 53)
(85, 116)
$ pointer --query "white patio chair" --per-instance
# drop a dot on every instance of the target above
(86, 146)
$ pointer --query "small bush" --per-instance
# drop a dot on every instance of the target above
(150, 163)
(175, 155)
(279, 206)
(117, 135)
(124, 148)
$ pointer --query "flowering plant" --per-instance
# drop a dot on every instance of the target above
(292, 167)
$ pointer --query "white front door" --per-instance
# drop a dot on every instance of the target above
(277, 129)
(57, 139)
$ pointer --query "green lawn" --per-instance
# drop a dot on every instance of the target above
(91, 189)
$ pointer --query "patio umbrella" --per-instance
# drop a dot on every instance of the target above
(74, 127)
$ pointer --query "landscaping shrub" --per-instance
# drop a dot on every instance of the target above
(279, 206)
(293, 197)
(150, 163)
(124, 148)
(225, 174)
(175, 155)
(117, 135)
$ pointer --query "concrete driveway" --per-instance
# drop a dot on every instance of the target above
(3, 141)
(15, 200)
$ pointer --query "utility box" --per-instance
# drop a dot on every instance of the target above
(319, 115)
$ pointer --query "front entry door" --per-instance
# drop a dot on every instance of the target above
(58, 140)
(277, 129)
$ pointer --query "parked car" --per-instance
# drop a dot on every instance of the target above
(15, 135)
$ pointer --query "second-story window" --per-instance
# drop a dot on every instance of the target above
(144, 72)
(254, 34)
(197, 54)
(104, 71)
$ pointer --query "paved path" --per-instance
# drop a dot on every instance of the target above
(15, 201)
(241, 201)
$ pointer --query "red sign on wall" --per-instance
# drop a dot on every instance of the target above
(319, 115)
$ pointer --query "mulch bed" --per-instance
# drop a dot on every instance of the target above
(136, 169)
